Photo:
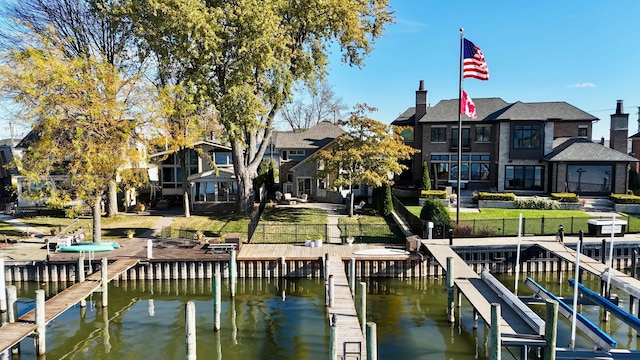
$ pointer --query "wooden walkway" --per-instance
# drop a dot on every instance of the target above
(586, 263)
(276, 251)
(348, 333)
(12, 333)
(478, 293)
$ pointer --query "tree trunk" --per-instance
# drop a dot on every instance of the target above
(185, 197)
(352, 197)
(112, 200)
(97, 219)
(182, 155)
(244, 200)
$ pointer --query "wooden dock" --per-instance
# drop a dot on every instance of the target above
(12, 333)
(348, 331)
(478, 293)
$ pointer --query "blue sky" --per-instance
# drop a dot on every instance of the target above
(585, 53)
(582, 52)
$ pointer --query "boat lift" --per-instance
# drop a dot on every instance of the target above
(600, 338)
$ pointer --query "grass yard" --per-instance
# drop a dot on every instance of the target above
(290, 225)
(370, 229)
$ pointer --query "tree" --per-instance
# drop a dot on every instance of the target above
(434, 210)
(80, 28)
(323, 104)
(85, 115)
(368, 153)
(243, 57)
(426, 179)
(387, 207)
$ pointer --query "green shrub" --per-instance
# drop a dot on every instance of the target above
(625, 199)
(433, 194)
(463, 229)
(565, 197)
(387, 206)
(537, 203)
(434, 210)
(496, 196)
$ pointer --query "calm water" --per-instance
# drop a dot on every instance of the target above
(271, 319)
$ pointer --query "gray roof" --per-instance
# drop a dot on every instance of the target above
(496, 109)
(406, 118)
(313, 138)
(581, 149)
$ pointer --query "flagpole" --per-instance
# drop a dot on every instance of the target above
(459, 128)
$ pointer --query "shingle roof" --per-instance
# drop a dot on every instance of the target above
(496, 109)
(581, 149)
(406, 118)
(313, 138)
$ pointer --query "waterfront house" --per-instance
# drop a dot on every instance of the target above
(525, 148)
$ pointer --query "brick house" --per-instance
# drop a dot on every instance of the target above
(526, 148)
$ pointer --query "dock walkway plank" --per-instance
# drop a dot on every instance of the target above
(347, 327)
(13, 333)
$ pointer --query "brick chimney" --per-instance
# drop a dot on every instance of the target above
(619, 132)
(421, 102)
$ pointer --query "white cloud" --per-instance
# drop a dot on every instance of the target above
(404, 25)
(583, 85)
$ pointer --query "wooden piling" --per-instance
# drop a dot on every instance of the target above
(232, 273)
(12, 297)
(190, 330)
(149, 249)
(372, 341)
(550, 329)
(494, 333)
(352, 276)
(217, 296)
(450, 290)
(363, 306)
(81, 276)
(41, 325)
(331, 292)
(105, 282)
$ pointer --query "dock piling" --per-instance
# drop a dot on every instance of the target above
(105, 282)
(217, 296)
(12, 297)
(494, 333)
(232, 273)
(372, 341)
(149, 249)
(550, 329)
(352, 275)
(3, 293)
(363, 306)
(41, 324)
(331, 292)
(190, 329)
(450, 290)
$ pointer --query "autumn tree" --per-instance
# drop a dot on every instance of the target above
(84, 114)
(313, 104)
(243, 57)
(79, 28)
(369, 153)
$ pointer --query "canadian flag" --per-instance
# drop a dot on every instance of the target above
(467, 106)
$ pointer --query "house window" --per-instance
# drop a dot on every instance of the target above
(526, 177)
(407, 134)
(527, 136)
(483, 133)
(285, 155)
(296, 152)
(474, 167)
(438, 134)
(222, 158)
(466, 138)
(583, 131)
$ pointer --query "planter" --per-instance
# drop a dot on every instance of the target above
(500, 204)
(627, 208)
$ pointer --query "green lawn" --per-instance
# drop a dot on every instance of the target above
(370, 229)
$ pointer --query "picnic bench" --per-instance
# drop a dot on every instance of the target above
(220, 248)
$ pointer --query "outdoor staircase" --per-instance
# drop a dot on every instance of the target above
(597, 205)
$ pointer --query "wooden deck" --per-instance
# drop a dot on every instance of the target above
(12, 333)
(478, 293)
(276, 251)
(348, 333)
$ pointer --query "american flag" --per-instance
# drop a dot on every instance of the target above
(467, 106)
(474, 65)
